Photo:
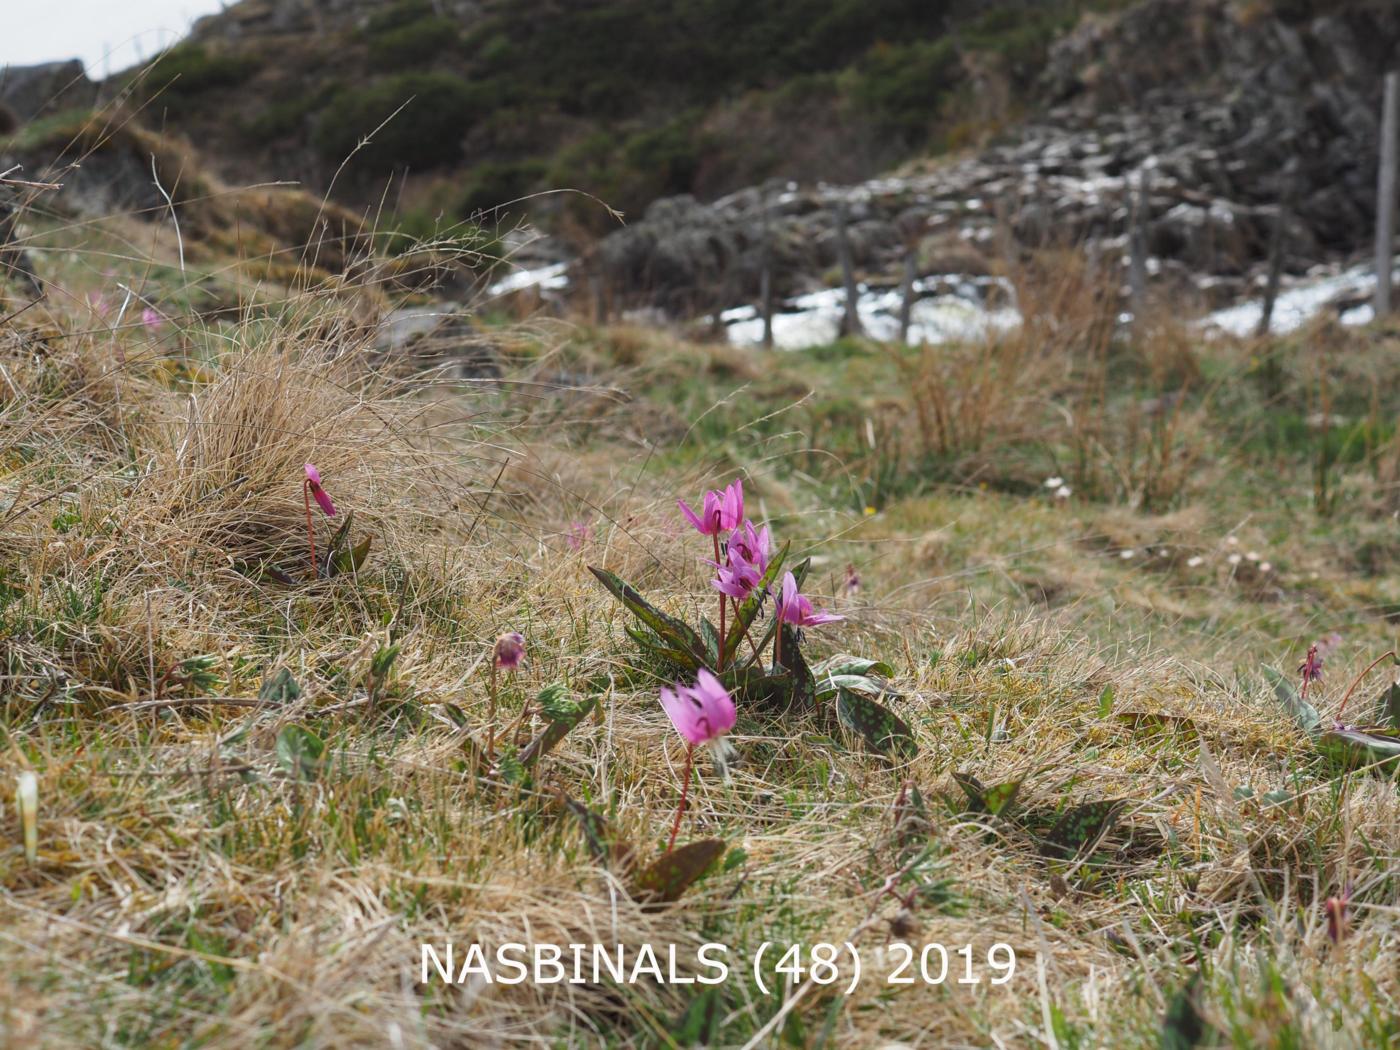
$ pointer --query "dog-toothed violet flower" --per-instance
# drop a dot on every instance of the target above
(796, 610)
(720, 511)
(510, 650)
(748, 560)
(702, 714)
(310, 488)
(313, 484)
(508, 654)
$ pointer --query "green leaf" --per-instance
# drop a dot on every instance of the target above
(1389, 706)
(856, 665)
(856, 683)
(281, 688)
(554, 703)
(677, 634)
(346, 561)
(556, 731)
(658, 650)
(300, 752)
(1355, 748)
(1183, 1027)
(710, 637)
(994, 800)
(1303, 712)
(754, 686)
(1106, 701)
(382, 660)
(804, 686)
(1082, 825)
(749, 607)
(881, 728)
(667, 878)
(701, 1022)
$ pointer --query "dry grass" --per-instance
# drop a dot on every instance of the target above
(189, 890)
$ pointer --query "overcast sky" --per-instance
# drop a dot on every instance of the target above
(108, 35)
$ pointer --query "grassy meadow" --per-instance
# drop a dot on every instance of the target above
(261, 784)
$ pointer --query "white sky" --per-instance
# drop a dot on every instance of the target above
(108, 35)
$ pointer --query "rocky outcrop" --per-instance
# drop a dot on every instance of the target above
(1215, 112)
(35, 91)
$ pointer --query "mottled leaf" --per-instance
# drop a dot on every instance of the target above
(668, 877)
(1287, 694)
(556, 731)
(345, 561)
(281, 688)
(604, 844)
(804, 686)
(300, 752)
(857, 665)
(1388, 712)
(1362, 746)
(657, 649)
(1082, 825)
(710, 637)
(1183, 1027)
(995, 800)
(676, 633)
(880, 727)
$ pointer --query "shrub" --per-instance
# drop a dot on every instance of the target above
(427, 132)
(184, 73)
(413, 44)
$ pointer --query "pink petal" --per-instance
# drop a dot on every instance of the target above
(684, 714)
(691, 516)
(312, 474)
(325, 501)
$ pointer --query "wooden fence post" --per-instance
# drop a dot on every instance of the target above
(765, 279)
(1276, 241)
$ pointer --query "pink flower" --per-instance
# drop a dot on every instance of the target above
(795, 609)
(721, 511)
(852, 580)
(748, 551)
(510, 650)
(579, 534)
(152, 320)
(313, 481)
(701, 713)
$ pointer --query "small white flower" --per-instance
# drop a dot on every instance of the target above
(1265, 567)
(1063, 492)
(1252, 556)
(1195, 561)
(1055, 482)
(1231, 541)
(1234, 559)
(1129, 553)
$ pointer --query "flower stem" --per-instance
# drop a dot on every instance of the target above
(685, 790)
(723, 635)
(310, 532)
(752, 646)
(491, 716)
(778, 644)
(1357, 682)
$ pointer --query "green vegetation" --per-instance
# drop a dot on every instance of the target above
(434, 112)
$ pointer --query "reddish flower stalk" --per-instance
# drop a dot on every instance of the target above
(702, 714)
(1336, 908)
(1310, 669)
(1374, 664)
(685, 791)
(310, 488)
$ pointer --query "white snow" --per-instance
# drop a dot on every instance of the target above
(546, 278)
(1300, 303)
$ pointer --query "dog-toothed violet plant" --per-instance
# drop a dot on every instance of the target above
(507, 654)
(311, 488)
(702, 714)
(719, 512)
